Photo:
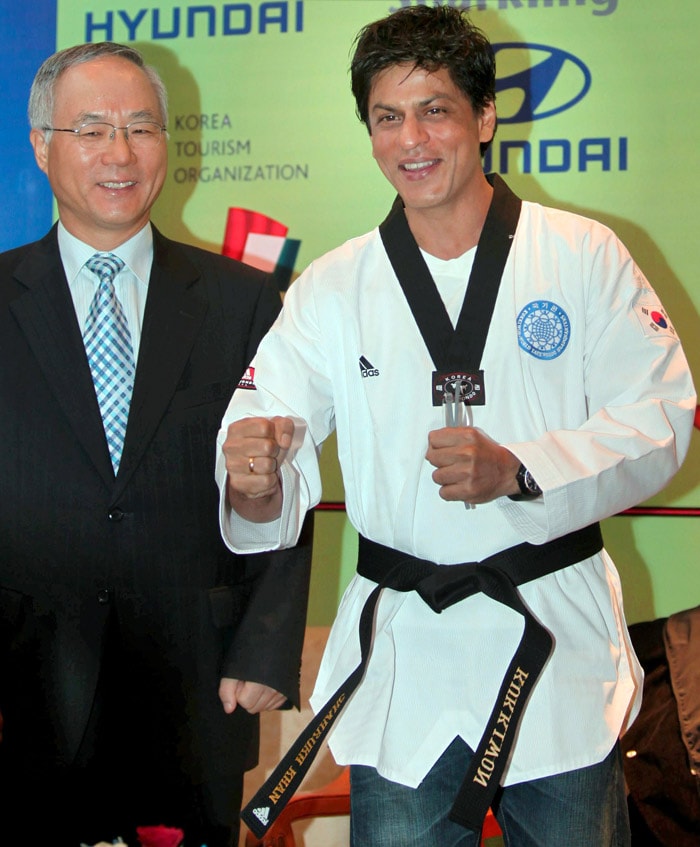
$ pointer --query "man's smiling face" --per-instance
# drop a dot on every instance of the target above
(426, 137)
(104, 196)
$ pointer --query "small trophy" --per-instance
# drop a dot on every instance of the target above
(457, 411)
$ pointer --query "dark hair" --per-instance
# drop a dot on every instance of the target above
(430, 38)
(41, 96)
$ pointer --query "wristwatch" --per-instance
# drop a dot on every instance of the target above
(529, 489)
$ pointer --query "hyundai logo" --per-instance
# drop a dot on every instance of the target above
(545, 81)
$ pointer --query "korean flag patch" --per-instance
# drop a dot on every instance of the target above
(654, 320)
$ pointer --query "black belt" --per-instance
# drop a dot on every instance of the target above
(441, 586)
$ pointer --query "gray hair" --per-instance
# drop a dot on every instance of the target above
(41, 96)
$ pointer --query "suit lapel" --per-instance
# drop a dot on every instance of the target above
(46, 315)
(175, 309)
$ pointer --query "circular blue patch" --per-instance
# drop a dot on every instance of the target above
(543, 329)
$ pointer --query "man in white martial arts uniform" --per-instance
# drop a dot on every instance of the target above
(554, 394)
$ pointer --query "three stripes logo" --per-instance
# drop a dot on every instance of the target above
(262, 813)
(367, 368)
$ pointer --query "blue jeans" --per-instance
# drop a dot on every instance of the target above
(581, 808)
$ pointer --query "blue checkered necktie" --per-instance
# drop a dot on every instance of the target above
(110, 353)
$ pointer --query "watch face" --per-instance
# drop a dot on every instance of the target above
(530, 483)
(528, 486)
(529, 489)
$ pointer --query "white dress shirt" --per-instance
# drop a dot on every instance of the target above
(131, 283)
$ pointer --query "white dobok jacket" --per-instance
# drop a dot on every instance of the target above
(585, 381)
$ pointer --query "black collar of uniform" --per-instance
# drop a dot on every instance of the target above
(464, 345)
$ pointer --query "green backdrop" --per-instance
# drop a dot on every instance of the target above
(262, 118)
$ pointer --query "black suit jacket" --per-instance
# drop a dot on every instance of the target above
(79, 548)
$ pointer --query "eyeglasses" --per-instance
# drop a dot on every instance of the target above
(98, 136)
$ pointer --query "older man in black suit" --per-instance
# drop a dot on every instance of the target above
(120, 608)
